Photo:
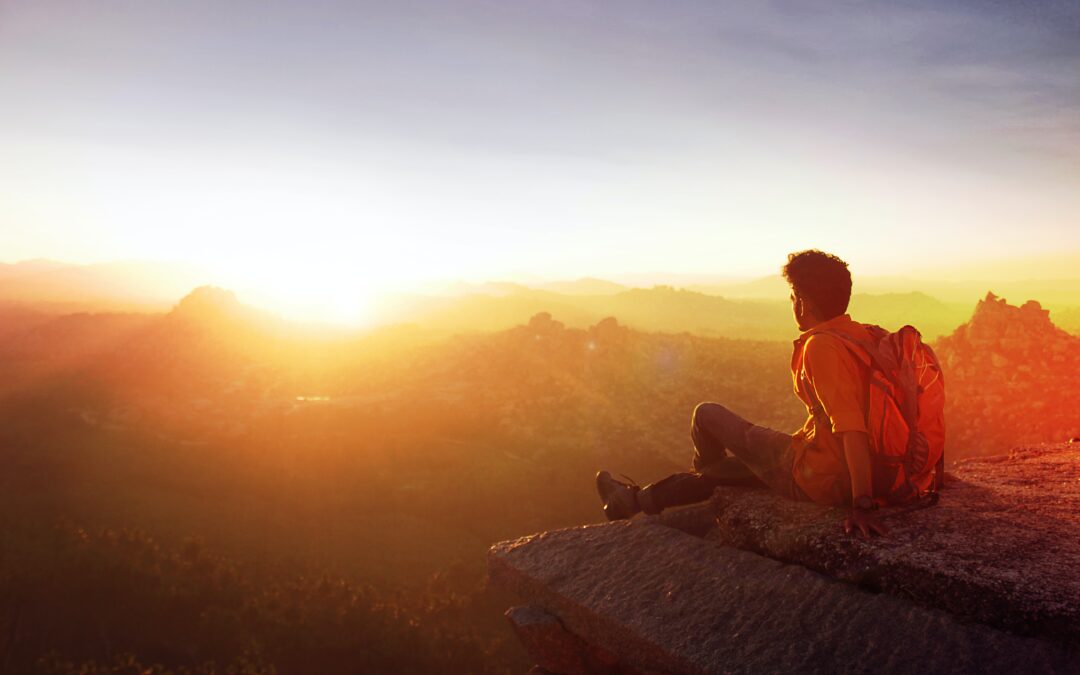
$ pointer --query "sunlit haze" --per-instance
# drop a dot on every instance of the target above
(321, 152)
(333, 333)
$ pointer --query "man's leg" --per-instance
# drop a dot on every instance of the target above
(758, 457)
(691, 487)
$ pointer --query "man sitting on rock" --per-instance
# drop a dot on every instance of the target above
(827, 462)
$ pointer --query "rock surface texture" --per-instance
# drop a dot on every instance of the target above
(553, 647)
(1002, 547)
(986, 581)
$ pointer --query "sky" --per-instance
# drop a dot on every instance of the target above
(306, 146)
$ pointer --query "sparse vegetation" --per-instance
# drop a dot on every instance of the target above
(213, 492)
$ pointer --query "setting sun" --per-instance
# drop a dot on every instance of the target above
(305, 288)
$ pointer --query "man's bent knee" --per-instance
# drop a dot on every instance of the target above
(703, 426)
(704, 412)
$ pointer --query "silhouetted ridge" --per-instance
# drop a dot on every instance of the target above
(585, 286)
(209, 303)
(216, 313)
(1010, 377)
(542, 324)
(993, 315)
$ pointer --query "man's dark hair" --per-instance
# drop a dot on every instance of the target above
(821, 278)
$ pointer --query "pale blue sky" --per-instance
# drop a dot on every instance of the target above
(402, 140)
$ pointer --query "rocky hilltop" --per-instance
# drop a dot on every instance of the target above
(982, 582)
(1010, 374)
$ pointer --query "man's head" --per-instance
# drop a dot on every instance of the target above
(820, 286)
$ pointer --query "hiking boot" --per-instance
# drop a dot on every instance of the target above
(620, 499)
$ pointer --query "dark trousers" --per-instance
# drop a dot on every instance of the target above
(728, 450)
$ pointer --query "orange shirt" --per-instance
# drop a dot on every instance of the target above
(822, 368)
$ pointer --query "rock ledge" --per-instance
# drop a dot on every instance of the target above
(986, 582)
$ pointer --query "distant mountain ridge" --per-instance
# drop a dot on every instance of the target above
(936, 307)
(116, 286)
(667, 309)
(1009, 370)
(584, 286)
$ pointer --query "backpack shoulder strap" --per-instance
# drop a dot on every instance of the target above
(861, 350)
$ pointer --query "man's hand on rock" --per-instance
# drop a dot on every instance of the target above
(866, 522)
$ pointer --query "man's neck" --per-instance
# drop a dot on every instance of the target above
(819, 322)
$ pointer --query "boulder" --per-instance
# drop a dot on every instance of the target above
(1001, 547)
(985, 580)
(663, 601)
(1009, 379)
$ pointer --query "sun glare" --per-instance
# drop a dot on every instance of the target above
(316, 293)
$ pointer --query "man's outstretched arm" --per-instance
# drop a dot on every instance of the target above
(857, 455)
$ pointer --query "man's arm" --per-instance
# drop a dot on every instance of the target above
(857, 455)
(836, 381)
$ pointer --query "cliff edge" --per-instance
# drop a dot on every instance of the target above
(985, 581)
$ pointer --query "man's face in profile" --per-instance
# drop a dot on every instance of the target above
(798, 310)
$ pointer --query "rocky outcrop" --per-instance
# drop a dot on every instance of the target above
(1000, 548)
(208, 303)
(664, 601)
(985, 581)
(1009, 378)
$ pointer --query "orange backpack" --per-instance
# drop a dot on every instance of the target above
(906, 412)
